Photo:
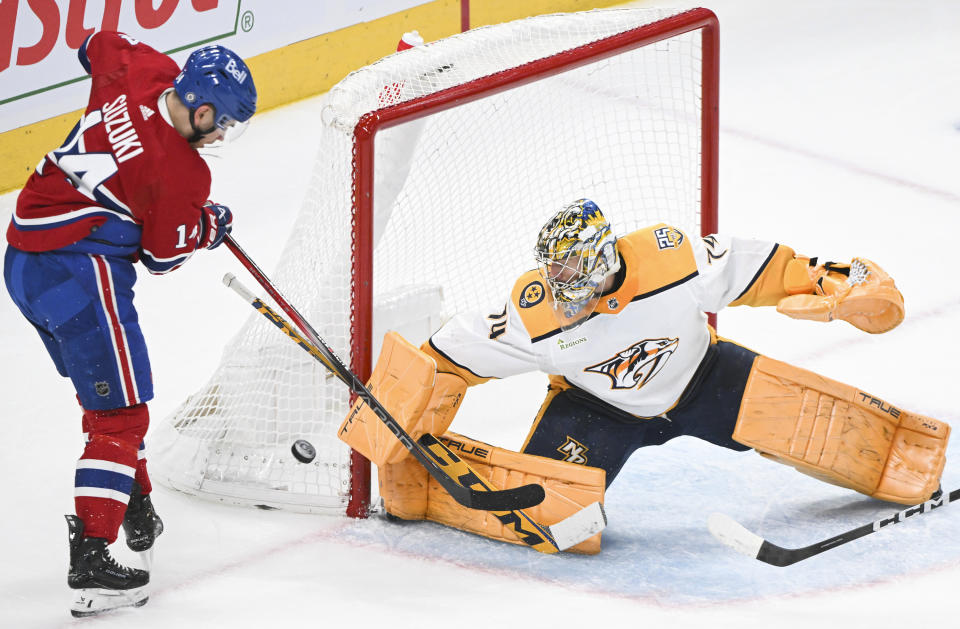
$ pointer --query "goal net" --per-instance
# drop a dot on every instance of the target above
(436, 168)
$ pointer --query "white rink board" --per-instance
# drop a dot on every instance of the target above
(44, 40)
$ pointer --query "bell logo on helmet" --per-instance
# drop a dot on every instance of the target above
(236, 72)
(205, 79)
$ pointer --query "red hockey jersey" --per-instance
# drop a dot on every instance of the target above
(125, 182)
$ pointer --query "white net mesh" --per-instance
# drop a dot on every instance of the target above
(459, 198)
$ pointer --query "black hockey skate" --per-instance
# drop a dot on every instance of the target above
(141, 524)
(102, 583)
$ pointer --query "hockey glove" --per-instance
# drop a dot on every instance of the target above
(217, 221)
(860, 293)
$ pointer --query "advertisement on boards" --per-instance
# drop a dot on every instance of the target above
(40, 76)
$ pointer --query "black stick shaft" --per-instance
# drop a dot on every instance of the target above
(778, 556)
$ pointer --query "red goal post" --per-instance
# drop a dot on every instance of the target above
(435, 170)
(370, 124)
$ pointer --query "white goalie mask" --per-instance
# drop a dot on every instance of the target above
(576, 253)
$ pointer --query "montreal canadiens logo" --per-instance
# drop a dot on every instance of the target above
(638, 364)
(532, 294)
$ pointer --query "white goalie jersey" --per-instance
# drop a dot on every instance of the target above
(646, 338)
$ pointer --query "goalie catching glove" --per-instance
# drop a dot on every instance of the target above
(860, 293)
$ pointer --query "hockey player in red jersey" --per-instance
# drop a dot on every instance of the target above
(126, 186)
(619, 325)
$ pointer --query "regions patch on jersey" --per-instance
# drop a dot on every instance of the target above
(638, 364)
(668, 237)
(532, 294)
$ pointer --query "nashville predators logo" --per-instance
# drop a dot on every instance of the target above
(572, 451)
(638, 364)
(668, 238)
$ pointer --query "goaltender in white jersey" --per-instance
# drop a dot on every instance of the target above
(645, 338)
(619, 326)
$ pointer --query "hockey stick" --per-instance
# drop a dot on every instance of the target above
(554, 538)
(268, 286)
(737, 537)
(546, 539)
(453, 474)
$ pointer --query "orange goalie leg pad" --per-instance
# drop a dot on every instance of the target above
(410, 493)
(405, 381)
(840, 434)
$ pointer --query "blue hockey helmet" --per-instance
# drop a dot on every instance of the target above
(217, 76)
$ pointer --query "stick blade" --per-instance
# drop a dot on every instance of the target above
(522, 497)
(733, 534)
(580, 526)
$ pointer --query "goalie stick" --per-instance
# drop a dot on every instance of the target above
(453, 474)
(557, 537)
(739, 538)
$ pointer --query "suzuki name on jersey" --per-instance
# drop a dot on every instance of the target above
(120, 131)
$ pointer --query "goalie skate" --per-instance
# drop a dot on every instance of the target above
(95, 601)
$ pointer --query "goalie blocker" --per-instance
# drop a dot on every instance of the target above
(406, 382)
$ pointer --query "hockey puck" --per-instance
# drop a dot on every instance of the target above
(303, 451)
